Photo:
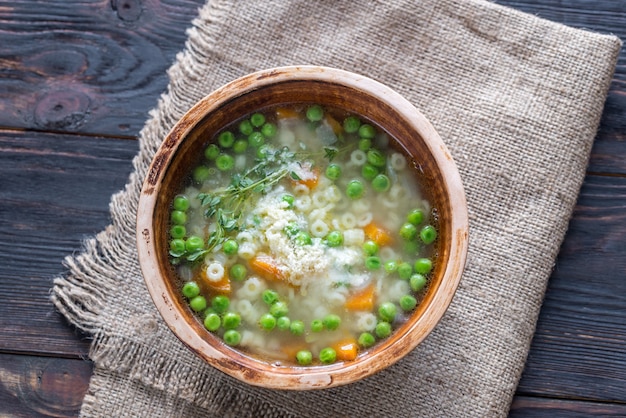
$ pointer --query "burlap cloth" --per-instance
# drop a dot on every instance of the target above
(517, 99)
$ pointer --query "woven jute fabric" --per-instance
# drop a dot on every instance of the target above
(517, 100)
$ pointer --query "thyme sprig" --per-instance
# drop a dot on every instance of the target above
(227, 205)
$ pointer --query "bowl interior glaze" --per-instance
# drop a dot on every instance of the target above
(330, 87)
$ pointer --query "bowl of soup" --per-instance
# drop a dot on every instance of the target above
(302, 228)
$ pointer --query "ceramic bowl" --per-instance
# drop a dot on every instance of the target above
(301, 84)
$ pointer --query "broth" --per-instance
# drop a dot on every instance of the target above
(303, 236)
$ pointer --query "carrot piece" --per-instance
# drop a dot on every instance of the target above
(336, 126)
(363, 300)
(286, 113)
(377, 234)
(311, 180)
(266, 267)
(221, 287)
(346, 349)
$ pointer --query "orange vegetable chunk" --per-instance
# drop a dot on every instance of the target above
(332, 122)
(346, 349)
(266, 267)
(363, 300)
(286, 113)
(378, 234)
(221, 287)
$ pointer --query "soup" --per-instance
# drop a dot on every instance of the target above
(303, 236)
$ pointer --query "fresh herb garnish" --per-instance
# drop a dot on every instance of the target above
(227, 204)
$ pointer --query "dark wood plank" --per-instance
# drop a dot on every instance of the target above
(93, 66)
(578, 349)
(42, 387)
(532, 407)
(54, 192)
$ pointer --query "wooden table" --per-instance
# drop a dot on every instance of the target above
(77, 79)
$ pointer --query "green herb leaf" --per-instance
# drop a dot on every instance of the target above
(330, 153)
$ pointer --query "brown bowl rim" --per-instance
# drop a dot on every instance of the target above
(249, 369)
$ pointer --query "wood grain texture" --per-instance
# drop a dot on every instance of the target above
(54, 192)
(42, 387)
(87, 66)
(534, 407)
(578, 349)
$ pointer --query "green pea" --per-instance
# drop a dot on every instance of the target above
(231, 320)
(381, 183)
(225, 162)
(408, 303)
(351, 124)
(303, 238)
(317, 325)
(177, 247)
(178, 231)
(391, 266)
(328, 355)
(315, 113)
(416, 216)
(423, 265)
(181, 202)
(376, 158)
(366, 340)
(387, 311)
(269, 130)
(279, 308)
(334, 239)
(245, 127)
(369, 172)
(269, 296)
(365, 144)
(226, 139)
(367, 131)
(257, 120)
(383, 329)
(370, 247)
(408, 232)
(355, 189)
(417, 282)
(304, 357)
(178, 217)
(194, 243)
(256, 139)
(211, 152)
(289, 199)
(283, 323)
(428, 234)
(201, 174)
(220, 303)
(296, 327)
(373, 263)
(405, 270)
(191, 290)
(331, 322)
(267, 322)
(212, 322)
(238, 272)
(264, 151)
(333, 171)
(230, 247)
(232, 337)
(291, 229)
(240, 146)
(198, 303)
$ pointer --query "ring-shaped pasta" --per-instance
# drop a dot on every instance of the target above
(215, 272)
(319, 228)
